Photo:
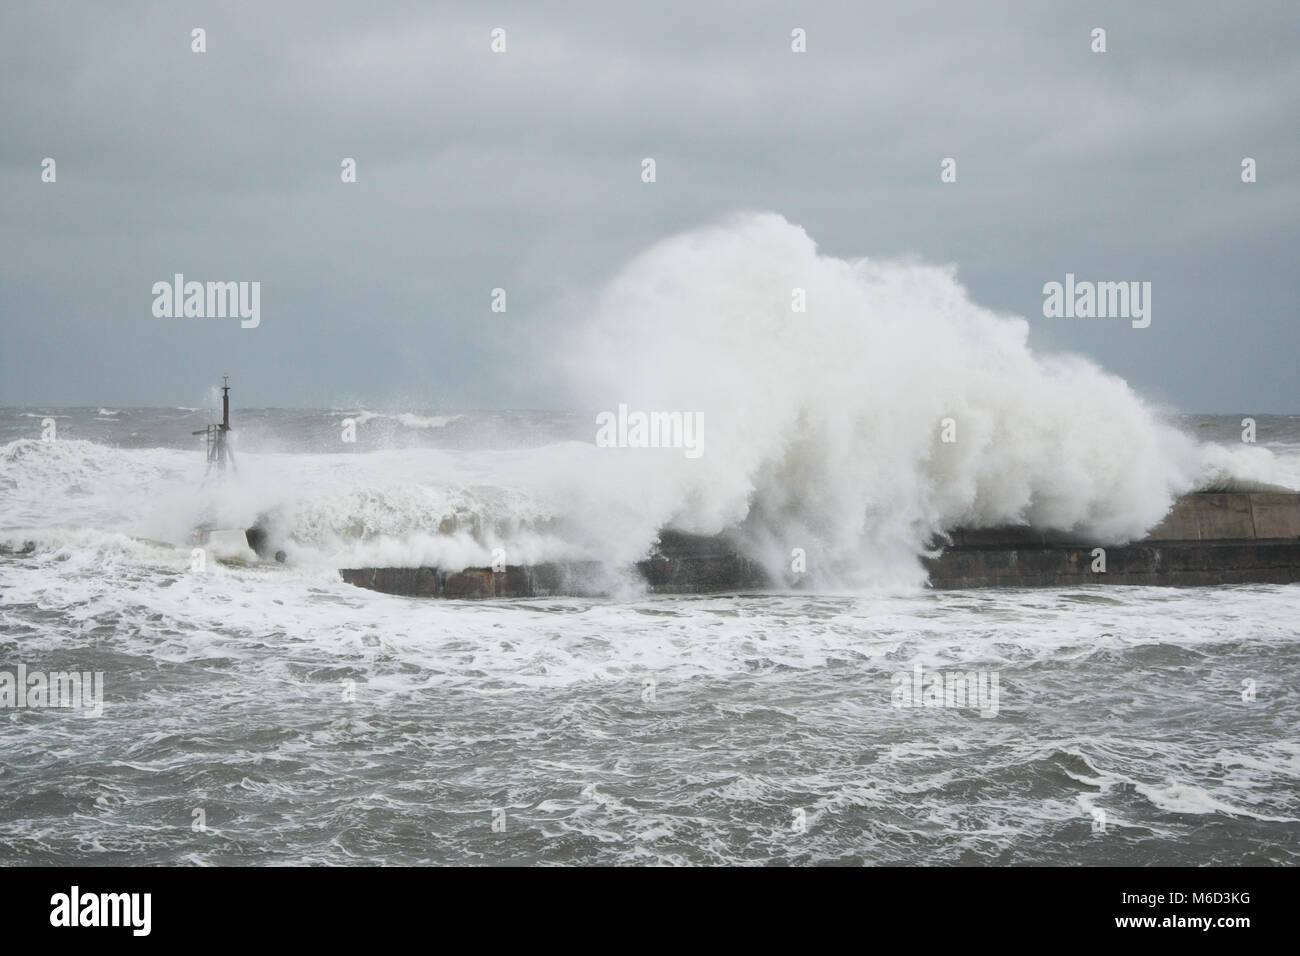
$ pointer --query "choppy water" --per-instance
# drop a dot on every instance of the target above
(312, 722)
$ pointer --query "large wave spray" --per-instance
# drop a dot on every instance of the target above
(823, 428)
(822, 431)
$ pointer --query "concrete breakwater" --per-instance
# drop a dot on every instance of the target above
(1206, 539)
(681, 564)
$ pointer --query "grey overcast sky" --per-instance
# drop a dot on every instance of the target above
(522, 170)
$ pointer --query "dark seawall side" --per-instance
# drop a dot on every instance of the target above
(1233, 538)
(1207, 539)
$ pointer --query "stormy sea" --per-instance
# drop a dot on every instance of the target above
(256, 712)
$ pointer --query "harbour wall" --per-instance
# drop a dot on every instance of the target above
(1206, 539)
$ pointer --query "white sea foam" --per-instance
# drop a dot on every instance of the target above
(823, 432)
(824, 426)
(407, 419)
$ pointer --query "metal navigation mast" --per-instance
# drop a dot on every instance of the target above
(215, 440)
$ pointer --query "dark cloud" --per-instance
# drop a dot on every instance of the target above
(522, 171)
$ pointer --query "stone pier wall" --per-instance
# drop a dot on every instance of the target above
(1231, 538)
